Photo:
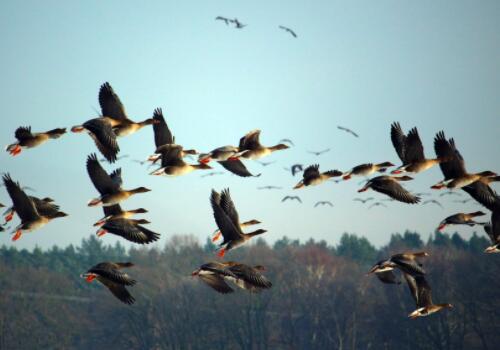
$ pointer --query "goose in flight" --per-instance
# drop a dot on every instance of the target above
(27, 139)
(311, 176)
(349, 131)
(227, 220)
(410, 150)
(389, 185)
(288, 30)
(111, 276)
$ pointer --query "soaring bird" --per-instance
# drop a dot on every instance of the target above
(291, 198)
(363, 200)
(251, 148)
(312, 176)
(389, 185)
(113, 122)
(101, 128)
(224, 19)
(295, 168)
(117, 158)
(31, 218)
(421, 292)
(111, 276)
(130, 229)
(164, 138)
(462, 201)
(450, 193)
(377, 204)
(213, 173)
(287, 141)
(228, 222)
(264, 164)
(269, 188)
(115, 211)
(44, 207)
(366, 169)
(172, 163)
(228, 157)
(406, 262)
(453, 168)
(109, 186)
(27, 139)
(410, 150)
(112, 107)
(348, 131)
(323, 203)
(318, 153)
(217, 274)
(288, 30)
(237, 24)
(461, 219)
(433, 201)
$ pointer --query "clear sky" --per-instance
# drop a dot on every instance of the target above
(361, 64)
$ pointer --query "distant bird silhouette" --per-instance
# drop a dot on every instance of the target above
(297, 198)
(287, 141)
(377, 204)
(347, 130)
(390, 186)
(420, 194)
(433, 201)
(463, 201)
(269, 188)
(141, 162)
(213, 173)
(296, 168)
(265, 163)
(323, 203)
(318, 153)
(363, 200)
(450, 193)
(117, 158)
(237, 23)
(224, 19)
(288, 30)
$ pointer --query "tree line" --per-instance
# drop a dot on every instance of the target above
(321, 297)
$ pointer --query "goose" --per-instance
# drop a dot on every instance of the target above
(410, 150)
(367, 169)
(130, 229)
(27, 139)
(389, 185)
(111, 276)
(311, 176)
(455, 175)
(251, 148)
(461, 219)
(109, 186)
(31, 219)
(421, 292)
(227, 220)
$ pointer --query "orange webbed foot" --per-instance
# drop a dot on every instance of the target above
(221, 253)
(17, 235)
(216, 236)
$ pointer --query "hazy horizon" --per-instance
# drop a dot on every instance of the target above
(359, 65)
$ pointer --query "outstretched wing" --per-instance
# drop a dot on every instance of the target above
(103, 183)
(111, 106)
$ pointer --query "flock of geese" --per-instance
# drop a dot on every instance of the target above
(169, 156)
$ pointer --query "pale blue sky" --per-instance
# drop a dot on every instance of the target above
(362, 64)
